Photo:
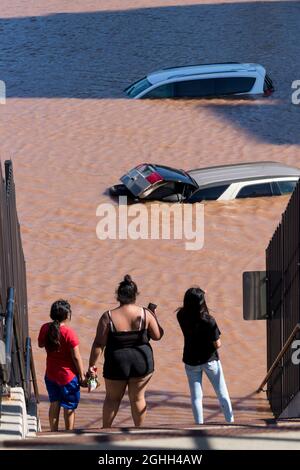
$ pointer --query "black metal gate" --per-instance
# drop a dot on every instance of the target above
(16, 363)
(283, 304)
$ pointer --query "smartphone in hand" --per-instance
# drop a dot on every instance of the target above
(152, 307)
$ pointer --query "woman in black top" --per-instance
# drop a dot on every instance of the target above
(124, 333)
(200, 353)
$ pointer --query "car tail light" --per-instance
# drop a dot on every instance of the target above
(154, 177)
(268, 86)
(269, 92)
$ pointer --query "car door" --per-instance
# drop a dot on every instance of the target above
(285, 187)
(194, 88)
(163, 192)
(162, 91)
(262, 189)
(168, 191)
(233, 85)
(208, 194)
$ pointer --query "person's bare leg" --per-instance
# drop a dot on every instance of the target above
(136, 392)
(54, 411)
(115, 390)
(69, 416)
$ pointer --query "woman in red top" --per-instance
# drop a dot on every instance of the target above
(64, 371)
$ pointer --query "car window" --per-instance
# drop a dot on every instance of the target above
(194, 88)
(255, 190)
(169, 191)
(224, 86)
(275, 189)
(163, 91)
(286, 187)
(146, 170)
(164, 190)
(208, 194)
(137, 87)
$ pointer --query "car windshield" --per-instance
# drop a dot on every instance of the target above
(137, 87)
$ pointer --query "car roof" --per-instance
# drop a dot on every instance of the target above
(190, 70)
(172, 174)
(242, 172)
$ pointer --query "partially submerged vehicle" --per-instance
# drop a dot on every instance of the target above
(207, 80)
(149, 181)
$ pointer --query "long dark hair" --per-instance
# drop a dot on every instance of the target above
(194, 307)
(60, 311)
(127, 291)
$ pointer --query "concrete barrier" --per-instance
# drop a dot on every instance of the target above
(16, 421)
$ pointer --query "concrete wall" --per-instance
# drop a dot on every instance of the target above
(16, 422)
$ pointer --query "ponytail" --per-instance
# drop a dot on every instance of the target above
(53, 336)
(60, 311)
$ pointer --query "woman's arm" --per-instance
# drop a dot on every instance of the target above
(155, 330)
(216, 334)
(76, 356)
(99, 342)
(96, 352)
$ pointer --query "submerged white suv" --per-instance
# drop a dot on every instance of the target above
(199, 81)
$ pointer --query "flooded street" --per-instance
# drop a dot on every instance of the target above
(72, 133)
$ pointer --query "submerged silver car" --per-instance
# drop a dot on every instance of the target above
(149, 181)
(199, 81)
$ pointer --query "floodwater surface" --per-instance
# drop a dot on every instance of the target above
(72, 133)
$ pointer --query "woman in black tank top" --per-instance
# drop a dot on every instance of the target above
(123, 334)
(128, 354)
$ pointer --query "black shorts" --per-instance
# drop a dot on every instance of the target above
(126, 363)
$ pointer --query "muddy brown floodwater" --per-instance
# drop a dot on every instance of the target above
(71, 134)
